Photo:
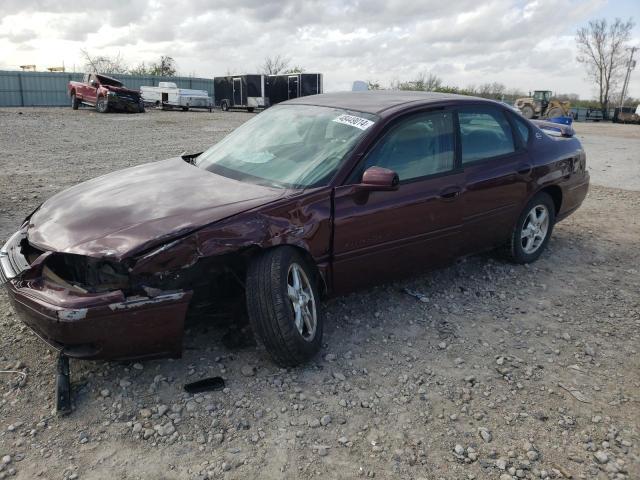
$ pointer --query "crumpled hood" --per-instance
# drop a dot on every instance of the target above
(127, 211)
(124, 90)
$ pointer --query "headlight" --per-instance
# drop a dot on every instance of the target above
(89, 274)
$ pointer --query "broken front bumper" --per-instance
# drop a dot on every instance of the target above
(94, 325)
(124, 103)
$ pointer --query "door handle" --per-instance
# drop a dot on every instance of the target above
(450, 193)
(525, 169)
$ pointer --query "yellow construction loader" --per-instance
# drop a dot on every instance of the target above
(541, 105)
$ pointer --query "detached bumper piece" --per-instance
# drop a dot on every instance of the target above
(63, 386)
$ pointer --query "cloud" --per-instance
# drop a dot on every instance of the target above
(19, 36)
(510, 41)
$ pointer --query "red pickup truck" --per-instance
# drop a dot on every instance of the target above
(104, 93)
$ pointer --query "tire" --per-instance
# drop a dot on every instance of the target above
(270, 291)
(75, 103)
(141, 108)
(185, 109)
(224, 106)
(555, 112)
(527, 241)
(250, 109)
(527, 111)
(102, 105)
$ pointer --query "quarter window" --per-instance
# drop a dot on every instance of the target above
(523, 129)
(484, 133)
(417, 147)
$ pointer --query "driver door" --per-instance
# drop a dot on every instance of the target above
(91, 91)
(379, 235)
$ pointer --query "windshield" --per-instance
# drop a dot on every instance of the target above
(288, 146)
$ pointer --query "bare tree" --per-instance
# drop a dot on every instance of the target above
(165, 67)
(140, 69)
(422, 83)
(432, 83)
(495, 90)
(601, 47)
(103, 63)
(274, 65)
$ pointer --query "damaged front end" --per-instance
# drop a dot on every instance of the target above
(123, 99)
(94, 308)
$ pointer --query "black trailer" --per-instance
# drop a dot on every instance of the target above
(293, 85)
(241, 91)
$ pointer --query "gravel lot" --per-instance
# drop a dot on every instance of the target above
(505, 371)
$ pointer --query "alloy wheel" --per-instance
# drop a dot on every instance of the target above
(534, 229)
(302, 301)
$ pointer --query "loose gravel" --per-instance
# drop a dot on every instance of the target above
(495, 371)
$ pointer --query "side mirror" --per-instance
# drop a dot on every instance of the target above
(378, 178)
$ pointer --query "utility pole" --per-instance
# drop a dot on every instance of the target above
(630, 66)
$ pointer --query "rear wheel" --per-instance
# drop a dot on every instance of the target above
(282, 301)
(75, 103)
(185, 109)
(102, 106)
(533, 229)
(141, 108)
(527, 111)
(250, 109)
(224, 106)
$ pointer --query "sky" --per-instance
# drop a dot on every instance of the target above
(523, 45)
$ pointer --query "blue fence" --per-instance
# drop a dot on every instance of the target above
(32, 89)
(582, 114)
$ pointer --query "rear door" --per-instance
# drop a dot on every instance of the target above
(496, 173)
(379, 235)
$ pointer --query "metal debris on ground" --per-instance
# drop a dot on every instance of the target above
(63, 386)
(577, 394)
(205, 385)
(420, 296)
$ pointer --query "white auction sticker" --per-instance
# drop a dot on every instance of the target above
(358, 122)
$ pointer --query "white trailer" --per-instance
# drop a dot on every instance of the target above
(168, 95)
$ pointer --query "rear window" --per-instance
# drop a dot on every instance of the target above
(484, 133)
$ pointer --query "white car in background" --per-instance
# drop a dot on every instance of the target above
(168, 95)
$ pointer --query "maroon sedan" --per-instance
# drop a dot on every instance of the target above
(314, 197)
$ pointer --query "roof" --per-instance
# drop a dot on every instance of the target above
(376, 101)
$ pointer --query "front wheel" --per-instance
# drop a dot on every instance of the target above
(102, 106)
(224, 106)
(533, 229)
(75, 103)
(282, 301)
